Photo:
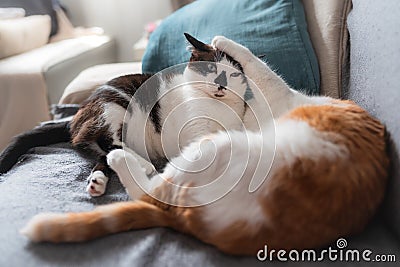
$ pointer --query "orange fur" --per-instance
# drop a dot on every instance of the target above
(107, 219)
(309, 203)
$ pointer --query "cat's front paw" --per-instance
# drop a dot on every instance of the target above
(147, 167)
(238, 52)
(220, 42)
(126, 166)
(116, 158)
(97, 183)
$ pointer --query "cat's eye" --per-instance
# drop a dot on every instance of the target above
(236, 74)
(212, 68)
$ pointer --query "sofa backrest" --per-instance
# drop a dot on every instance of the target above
(328, 32)
(375, 80)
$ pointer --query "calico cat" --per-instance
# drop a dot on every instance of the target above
(327, 179)
(131, 112)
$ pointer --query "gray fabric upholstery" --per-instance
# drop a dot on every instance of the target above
(52, 179)
(375, 79)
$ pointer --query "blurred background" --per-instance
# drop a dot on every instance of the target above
(124, 20)
(46, 44)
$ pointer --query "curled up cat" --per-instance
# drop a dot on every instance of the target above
(326, 180)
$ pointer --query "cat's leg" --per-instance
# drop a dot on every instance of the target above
(278, 94)
(98, 178)
(253, 67)
(130, 172)
(147, 166)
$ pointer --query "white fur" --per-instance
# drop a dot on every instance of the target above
(305, 142)
(273, 88)
(114, 115)
(226, 172)
(240, 161)
(146, 166)
(233, 168)
(129, 172)
(189, 110)
(97, 183)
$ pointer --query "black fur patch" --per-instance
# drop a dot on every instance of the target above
(87, 125)
(40, 136)
(147, 96)
(102, 166)
(129, 83)
(234, 62)
(206, 59)
(109, 95)
(155, 117)
(221, 79)
(105, 140)
(119, 134)
(204, 68)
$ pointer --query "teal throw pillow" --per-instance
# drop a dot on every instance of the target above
(274, 28)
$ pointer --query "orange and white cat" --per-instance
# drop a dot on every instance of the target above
(326, 180)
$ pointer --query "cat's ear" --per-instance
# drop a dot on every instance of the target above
(198, 45)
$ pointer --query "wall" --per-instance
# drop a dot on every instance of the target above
(375, 80)
(122, 19)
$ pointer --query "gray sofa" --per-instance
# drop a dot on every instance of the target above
(375, 82)
(52, 178)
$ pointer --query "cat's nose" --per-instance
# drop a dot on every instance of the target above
(221, 79)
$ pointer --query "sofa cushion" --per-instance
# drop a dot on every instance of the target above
(17, 35)
(276, 29)
(36, 7)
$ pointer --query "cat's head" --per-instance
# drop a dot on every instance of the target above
(220, 75)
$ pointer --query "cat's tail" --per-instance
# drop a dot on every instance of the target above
(47, 134)
(104, 220)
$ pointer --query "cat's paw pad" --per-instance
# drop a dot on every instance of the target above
(97, 183)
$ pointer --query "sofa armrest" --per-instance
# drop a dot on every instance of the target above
(88, 80)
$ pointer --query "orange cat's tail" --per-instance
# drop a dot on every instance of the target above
(104, 220)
